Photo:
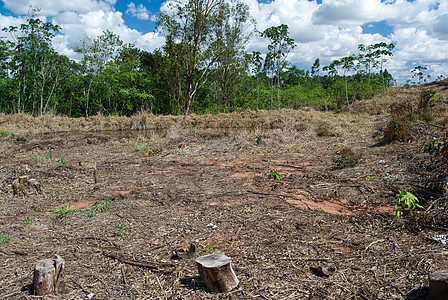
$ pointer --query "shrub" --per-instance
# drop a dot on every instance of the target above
(405, 200)
(347, 159)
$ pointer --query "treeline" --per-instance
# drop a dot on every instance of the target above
(202, 68)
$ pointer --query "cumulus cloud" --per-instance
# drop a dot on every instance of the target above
(140, 11)
(328, 31)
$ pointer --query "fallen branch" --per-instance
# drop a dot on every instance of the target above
(151, 266)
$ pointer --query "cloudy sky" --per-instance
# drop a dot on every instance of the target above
(324, 29)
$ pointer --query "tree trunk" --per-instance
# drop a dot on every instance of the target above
(49, 277)
(217, 273)
(438, 285)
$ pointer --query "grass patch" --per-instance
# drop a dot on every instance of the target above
(4, 238)
(5, 133)
(91, 211)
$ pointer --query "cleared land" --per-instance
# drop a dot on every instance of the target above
(118, 195)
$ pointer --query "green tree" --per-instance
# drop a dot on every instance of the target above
(33, 63)
(96, 53)
(418, 72)
(381, 52)
(228, 27)
(188, 46)
(279, 48)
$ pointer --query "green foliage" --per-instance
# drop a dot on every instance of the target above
(64, 211)
(202, 68)
(91, 211)
(29, 220)
(274, 174)
(120, 229)
(45, 158)
(63, 161)
(347, 159)
(5, 133)
(142, 148)
(405, 200)
(101, 207)
(4, 238)
(212, 249)
(439, 151)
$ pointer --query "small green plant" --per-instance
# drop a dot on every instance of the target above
(63, 160)
(276, 175)
(345, 161)
(102, 207)
(120, 229)
(405, 200)
(4, 238)
(44, 158)
(29, 220)
(142, 148)
(64, 210)
(212, 249)
(5, 133)
(438, 152)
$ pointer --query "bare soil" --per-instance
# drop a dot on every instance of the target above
(160, 183)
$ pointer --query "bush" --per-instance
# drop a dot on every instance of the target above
(348, 158)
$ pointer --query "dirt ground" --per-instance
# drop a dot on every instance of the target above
(117, 196)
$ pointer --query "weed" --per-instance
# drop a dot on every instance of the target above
(63, 160)
(141, 149)
(44, 158)
(276, 175)
(347, 159)
(211, 249)
(102, 207)
(5, 133)
(405, 200)
(438, 152)
(29, 220)
(64, 210)
(120, 229)
(4, 238)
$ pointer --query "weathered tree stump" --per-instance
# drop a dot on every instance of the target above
(216, 272)
(49, 277)
(438, 285)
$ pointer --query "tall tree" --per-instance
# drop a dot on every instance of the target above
(279, 48)
(188, 46)
(230, 22)
(96, 53)
(32, 63)
(381, 53)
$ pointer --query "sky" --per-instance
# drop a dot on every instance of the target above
(324, 29)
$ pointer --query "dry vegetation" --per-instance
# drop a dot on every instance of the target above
(146, 185)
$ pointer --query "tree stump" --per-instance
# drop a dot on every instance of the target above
(438, 285)
(49, 277)
(216, 272)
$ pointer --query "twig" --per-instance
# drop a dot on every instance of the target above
(306, 259)
(124, 276)
(80, 286)
(140, 264)
(373, 243)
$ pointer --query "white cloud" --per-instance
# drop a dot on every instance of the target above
(54, 7)
(327, 31)
(140, 12)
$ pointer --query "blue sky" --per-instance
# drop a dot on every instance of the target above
(327, 29)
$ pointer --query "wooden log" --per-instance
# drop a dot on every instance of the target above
(49, 277)
(438, 285)
(217, 273)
